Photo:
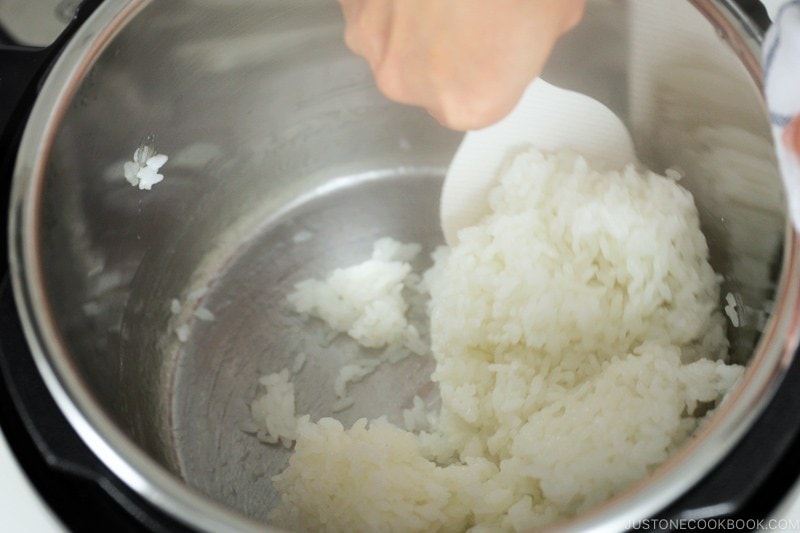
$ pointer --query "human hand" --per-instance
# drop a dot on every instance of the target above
(791, 135)
(466, 61)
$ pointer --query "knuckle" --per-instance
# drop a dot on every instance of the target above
(473, 108)
(352, 40)
(390, 82)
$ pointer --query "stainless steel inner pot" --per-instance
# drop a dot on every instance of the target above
(275, 131)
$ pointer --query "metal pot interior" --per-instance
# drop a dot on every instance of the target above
(275, 130)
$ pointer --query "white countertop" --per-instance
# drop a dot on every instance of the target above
(21, 507)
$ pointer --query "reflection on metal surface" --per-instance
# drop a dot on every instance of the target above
(275, 128)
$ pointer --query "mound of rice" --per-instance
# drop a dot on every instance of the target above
(365, 301)
(578, 342)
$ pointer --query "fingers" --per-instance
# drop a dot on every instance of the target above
(467, 62)
(351, 9)
(791, 135)
(367, 28)
(476, 109)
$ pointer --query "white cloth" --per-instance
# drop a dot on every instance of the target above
(782, 89)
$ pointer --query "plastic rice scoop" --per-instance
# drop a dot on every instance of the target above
(547, 118)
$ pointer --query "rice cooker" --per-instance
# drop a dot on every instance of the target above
(114, 401)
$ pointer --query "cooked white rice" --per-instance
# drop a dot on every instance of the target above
(204, 314)
(299, 362)
(578, 342)
(366, 301)
(274, 411)
(142, 170)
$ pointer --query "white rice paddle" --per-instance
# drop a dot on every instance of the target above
(547, 118)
